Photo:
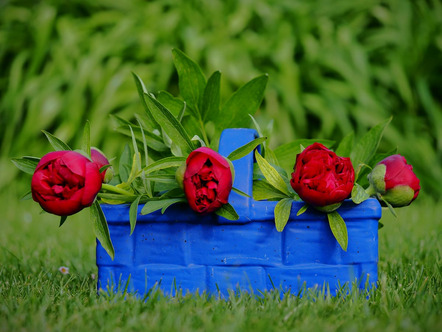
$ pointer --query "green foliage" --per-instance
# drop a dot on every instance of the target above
(333, 68)
(35, 296)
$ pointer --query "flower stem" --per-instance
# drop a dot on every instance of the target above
(370, 190)
(116, 190)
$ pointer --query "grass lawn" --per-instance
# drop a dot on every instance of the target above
(35, 296)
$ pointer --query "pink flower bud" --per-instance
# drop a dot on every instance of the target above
(395, 180)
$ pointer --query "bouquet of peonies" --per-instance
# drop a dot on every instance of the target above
(172, 159)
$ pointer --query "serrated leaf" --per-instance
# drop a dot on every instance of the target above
(164, 163)
(302, 210)
(101, 229)
(170, 124)
(26, 164)
(338, 228)
(244, 150)
(191, 79)
(133, 211)
(346, 145)
(282, 213)
(56, 143)
(358, 194)
(366, 148)
(141, 91)
(228, 212)
(211, 97)
(155, 205)
(246, 100)
(86, 142)
(271, 174)
(262, 190)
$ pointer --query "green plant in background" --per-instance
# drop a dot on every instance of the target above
(333, 67)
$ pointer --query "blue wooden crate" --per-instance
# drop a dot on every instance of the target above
(180, 250)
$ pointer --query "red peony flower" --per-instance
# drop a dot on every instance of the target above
(207, 180)
(395, 180)
(65, 182)
(320, 177)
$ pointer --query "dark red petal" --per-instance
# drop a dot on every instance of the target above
(47, 158)
(76, 162)
(92, 183)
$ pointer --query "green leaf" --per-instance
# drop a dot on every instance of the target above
(165, 163)
(346, 145)
(62, 220)
(271, 157)
(211, 97)
(141, 91)
(380, 225)
(191, 79)
(390, 207)
(262, 190)
(338, 228)
(282, 213)
(358, 194)
(245, 149)
(245, 101)
(155, 205)
(27, 196)
(56, 143)
(239, 192)
(26, 164)
(366, 148)
(302, 210)
(286, 153)
(228, 212)
(155, 142)
(133, 211)
(101, 229)
(271, 174)
(170, 124)
(86, 142)
(173, 104)
(125, 164)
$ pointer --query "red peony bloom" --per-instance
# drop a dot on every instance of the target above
(207, 180)
(65, 182)
(395, 180)
(320, 177)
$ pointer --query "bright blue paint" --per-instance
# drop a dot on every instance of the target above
(209, 253)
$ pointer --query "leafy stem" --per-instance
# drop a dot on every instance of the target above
(116, 190)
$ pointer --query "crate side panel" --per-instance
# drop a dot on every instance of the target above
(257, 243)
(123, 245)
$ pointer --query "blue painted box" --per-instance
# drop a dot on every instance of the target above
(181, 250)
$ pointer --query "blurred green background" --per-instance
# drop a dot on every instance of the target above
(334, 67)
